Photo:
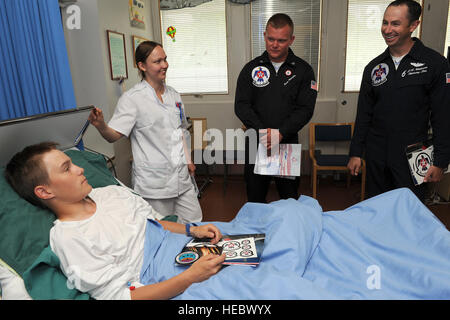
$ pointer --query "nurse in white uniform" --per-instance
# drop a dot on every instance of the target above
(152, 115)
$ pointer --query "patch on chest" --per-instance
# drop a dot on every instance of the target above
(260, 76)
(379, 74)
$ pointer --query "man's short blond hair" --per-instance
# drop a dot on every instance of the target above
(279, 20)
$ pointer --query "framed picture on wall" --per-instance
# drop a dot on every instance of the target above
(136, 40)
(117, 55)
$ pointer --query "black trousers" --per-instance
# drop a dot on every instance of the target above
(382, 177)
(258, 186)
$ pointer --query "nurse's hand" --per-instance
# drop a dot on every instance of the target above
(207, 231)
(96, 118)
(191, 168)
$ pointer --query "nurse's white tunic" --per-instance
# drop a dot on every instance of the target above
(159, 169)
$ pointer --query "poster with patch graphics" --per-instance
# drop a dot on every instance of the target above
(420, 159)
(379, 74)
(286, 163)
(245, 249)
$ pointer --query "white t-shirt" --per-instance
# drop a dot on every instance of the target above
(277, 65)
(397, 60)
(101, 254)
(155, 130)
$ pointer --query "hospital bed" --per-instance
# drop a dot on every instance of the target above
(23, 227)
(386, 247)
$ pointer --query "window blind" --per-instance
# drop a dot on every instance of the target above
(364, 40)
(197, 53)
(305, 15)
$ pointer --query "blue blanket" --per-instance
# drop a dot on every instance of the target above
(387, 247)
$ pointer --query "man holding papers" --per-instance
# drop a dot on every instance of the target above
(275, 96)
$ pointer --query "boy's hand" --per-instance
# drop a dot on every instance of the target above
(205, 267)
(207, 231)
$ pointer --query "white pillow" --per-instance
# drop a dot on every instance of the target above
(12, 285)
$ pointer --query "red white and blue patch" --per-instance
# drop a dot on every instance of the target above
(260, 76)
(187, 257)
(379, 74)
(447, 78)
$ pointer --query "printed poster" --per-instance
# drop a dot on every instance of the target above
(285, 163)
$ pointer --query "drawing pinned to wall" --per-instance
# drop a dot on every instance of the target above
(136, 8)
(171, 31)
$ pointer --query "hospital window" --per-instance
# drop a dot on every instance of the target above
(364, 40)
(305, 15)
(195, 41)
(447, 38)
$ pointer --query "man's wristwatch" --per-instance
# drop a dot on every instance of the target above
(188, 228)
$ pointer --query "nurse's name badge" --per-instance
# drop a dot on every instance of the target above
(379, 74)
(260, 76)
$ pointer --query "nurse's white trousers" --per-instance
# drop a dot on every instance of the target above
(185, 206)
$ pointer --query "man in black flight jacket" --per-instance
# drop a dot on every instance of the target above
(277, 92)
(402, 91)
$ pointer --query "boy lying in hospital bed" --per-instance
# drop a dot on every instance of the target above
(99, 233)
(108, 241)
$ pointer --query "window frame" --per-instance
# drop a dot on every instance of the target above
(447, 35)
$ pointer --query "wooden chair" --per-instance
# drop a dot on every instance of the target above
(331, 132)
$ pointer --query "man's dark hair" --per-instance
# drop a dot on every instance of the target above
(414, 8)
(25, 171)
(279, 20)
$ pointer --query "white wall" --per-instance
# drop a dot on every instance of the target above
(90, 66)
(87, 67)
